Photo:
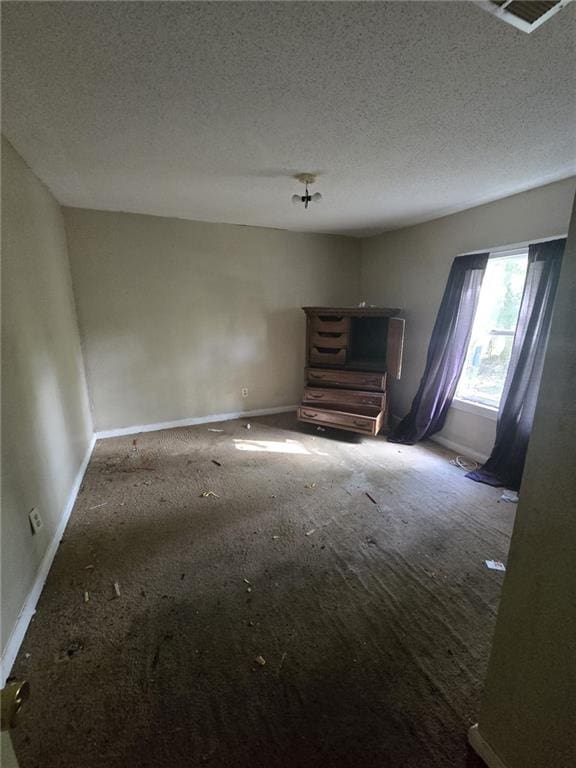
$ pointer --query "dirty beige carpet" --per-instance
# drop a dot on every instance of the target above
(286, 620)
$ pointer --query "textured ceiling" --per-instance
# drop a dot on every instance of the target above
(408, 110)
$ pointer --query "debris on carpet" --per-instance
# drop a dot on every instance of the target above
(466, 464)
(72, 649)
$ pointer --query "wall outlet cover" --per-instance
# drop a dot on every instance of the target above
(244, 391)
(36, 521)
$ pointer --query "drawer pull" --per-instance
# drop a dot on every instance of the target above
(359, 423)
(326, 350)
(317, 375)
(310, 415)
(315, 396)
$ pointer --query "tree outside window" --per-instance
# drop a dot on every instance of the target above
(490, 346)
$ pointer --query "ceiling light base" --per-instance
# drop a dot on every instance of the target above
(306, 178)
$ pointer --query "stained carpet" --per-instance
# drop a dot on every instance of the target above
(326, 604)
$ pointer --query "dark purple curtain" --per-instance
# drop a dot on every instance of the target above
(518, 403)
(446, 352)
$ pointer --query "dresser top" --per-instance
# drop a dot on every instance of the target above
(353, 311)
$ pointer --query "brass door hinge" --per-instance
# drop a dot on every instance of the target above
(12, 699)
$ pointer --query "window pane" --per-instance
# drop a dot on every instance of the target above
(488, 355)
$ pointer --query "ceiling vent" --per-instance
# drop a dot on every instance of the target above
(526, 15)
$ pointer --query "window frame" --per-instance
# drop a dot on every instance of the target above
(475, 406)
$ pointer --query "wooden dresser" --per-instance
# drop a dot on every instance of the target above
(351, 354)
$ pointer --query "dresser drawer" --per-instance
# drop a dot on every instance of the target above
(327, 356)
(332, 340)
(329, 324)
(343, 397)
(346, 379)
(368, 421)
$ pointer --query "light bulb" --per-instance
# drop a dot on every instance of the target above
(316, 197)
(296, 199)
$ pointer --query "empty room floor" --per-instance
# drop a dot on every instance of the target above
(326, 604)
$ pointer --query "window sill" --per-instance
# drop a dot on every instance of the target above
(487, 411)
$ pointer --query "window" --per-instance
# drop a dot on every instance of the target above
(490, 346)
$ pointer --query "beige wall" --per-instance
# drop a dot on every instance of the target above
(409, 268)
(529, 706)
(177, 316)
(46, 424)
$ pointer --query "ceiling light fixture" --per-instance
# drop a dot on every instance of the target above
(306, 198)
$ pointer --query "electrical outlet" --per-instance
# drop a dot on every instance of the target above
(244, 391)
(35, 520)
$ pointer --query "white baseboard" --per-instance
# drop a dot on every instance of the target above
(483, 749)
(192, 422)
(29, 608)
(461, 450)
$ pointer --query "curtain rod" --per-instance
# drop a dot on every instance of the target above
(512, 246)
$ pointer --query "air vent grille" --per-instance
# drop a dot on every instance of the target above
(529, 11)
(526, 15)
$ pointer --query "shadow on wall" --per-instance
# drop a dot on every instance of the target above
(286, 345)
